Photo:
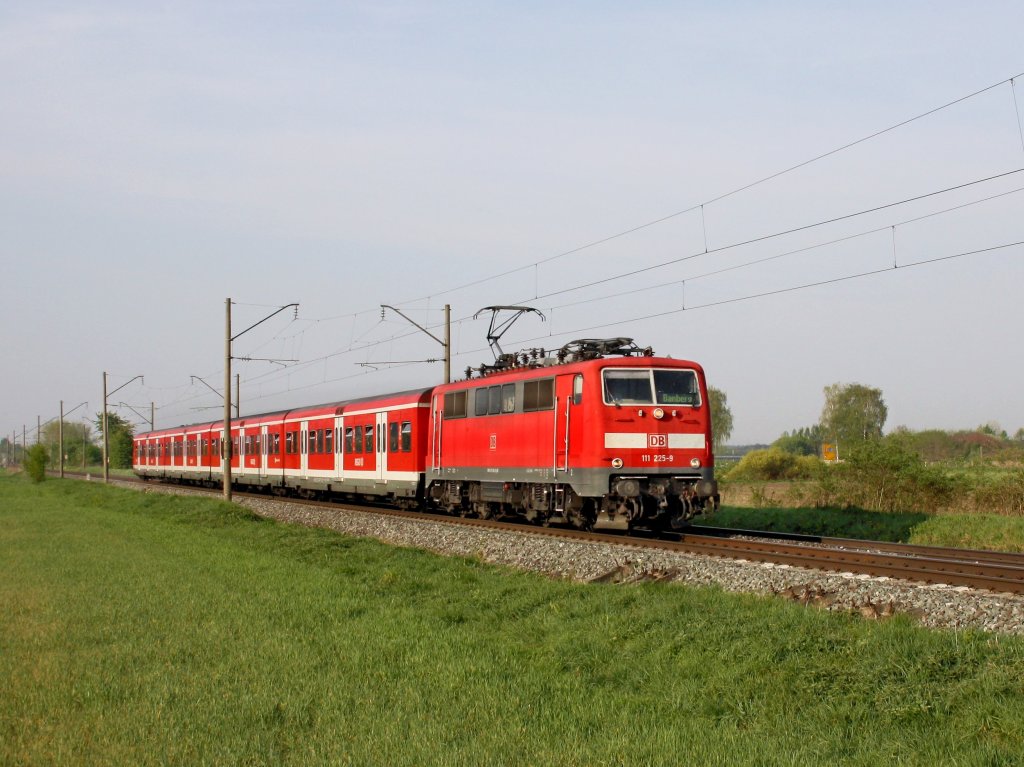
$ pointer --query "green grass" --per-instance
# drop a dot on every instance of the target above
(95, 470)
(970, 531)
(151, 629)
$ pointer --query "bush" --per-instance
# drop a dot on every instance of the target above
(884, 475)
(35, 461)
(774, 464)
(1000, 494)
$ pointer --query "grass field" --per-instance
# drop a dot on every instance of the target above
(152, 629)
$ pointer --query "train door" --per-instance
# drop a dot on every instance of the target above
(304, 449)
(339, 446)
(264, 443)
(382, 445)
(434, 462)
(568, 420)
(251, 449)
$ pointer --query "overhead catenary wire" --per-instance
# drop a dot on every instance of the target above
(775, 235)
(795, 251)
(620, 321)
(292, 369)
(356, 346)
(700, 206)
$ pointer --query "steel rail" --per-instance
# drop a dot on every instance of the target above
(908, 549)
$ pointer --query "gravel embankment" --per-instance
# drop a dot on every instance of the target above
(935, 606)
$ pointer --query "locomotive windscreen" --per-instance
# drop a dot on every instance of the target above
(649, 387)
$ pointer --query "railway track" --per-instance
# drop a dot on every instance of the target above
(977, 569)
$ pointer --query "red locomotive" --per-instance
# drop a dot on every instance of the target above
(601, 435)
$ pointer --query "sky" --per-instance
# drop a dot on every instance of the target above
(790, 194)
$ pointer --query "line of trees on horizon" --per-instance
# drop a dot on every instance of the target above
(854, 413)
(82, 444)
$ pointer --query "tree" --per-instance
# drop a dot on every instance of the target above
(721, 417)
(853, 413)
(993, 429)
(77, 437)
(804, 441)
(119, 447)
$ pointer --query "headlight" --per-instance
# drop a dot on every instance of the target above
(658, 413)
(616, 463)
(695, 463)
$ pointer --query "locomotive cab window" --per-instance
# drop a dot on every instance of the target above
(406, 436)
(648, 387)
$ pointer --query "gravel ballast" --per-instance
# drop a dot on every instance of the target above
(936, 606)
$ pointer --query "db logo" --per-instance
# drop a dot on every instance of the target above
(657, 440)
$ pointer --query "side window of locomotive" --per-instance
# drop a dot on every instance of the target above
(494, 400)
(369, 439)
(539, 395)
(508, 398)
(577, 389)
(359, 440)
(480, 400)
(350, 439)
(406, 436)
(676, 387)
(455, 404)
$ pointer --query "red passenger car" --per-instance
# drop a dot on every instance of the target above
(367, 447)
